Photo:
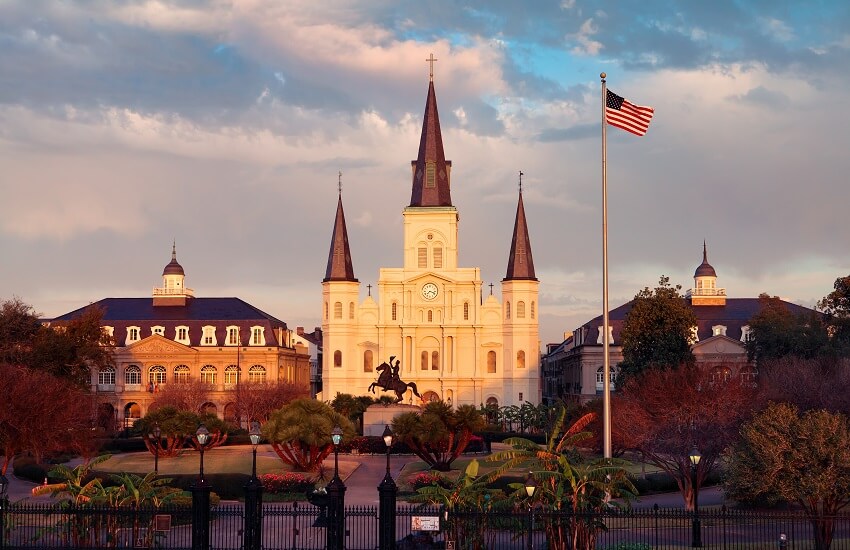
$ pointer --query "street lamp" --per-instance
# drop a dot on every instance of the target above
(201, 498)
(155, 437)
(696, 539)
(253, 497)
(530, 489)
(336, 499)
(387, 492)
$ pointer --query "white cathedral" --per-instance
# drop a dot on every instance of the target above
(429, 313)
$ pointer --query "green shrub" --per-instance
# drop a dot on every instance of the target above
(25, 467)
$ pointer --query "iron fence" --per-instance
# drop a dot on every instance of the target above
(302, 526)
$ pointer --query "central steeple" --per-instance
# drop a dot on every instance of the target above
(431, 170)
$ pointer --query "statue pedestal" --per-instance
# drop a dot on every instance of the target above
(375, 417)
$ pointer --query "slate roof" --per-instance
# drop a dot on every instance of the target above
(520, 261)
(735, 314)
(121, 313)
(431, 151)
(340, 267)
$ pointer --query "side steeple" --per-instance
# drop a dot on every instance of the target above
(431, 170)
(520, 261)
(339, 267)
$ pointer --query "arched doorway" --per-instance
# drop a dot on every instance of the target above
(132, 412)
(209, 408)
(230, 414)
(430, 396)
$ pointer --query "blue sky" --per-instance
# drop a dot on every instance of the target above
(125, 125)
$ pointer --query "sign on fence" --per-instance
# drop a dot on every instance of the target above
(162, 522)
(425, 523)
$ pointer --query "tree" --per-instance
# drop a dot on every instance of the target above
(19, 326)
(566, 482)
(177, 427)
(836, 308)
(663, 415)
(256, 401)
(802, 458)
(807, 383)
(438, 435)
(40, 413)
(300, 432)
(188, 396)
(776, 332)
(657, 330)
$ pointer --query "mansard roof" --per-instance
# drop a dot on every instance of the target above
(431, 186)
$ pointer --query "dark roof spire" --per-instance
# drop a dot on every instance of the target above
(173, 268)
(431, 170)
(705, 269)
(520, 262)
(340, 267)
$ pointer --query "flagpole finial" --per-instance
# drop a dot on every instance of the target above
(603, 76)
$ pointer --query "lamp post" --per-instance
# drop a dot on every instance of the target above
(4, 488)
(201, 498)
(253, 497)
(696, 539)
(336, 499)
(530, 489)
(155, 437)
(387, 492)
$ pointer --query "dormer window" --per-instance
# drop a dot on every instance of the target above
(258, 337)
(181, 334)
(718, 330)
(610, 335)
(233, 336)
(746, 333)
(208, 336)
(158, 329)
(108, 331)
(694, 336)
(132, 335)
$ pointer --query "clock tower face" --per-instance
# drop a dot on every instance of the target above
(429, 291)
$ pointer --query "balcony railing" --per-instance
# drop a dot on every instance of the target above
(705, 292)
(173, 292)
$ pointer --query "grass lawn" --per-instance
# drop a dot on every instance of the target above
(232, 459)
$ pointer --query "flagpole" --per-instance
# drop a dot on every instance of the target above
(606, 366)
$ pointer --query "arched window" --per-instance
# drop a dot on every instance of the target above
(600, 379)
(435, 360)
(257, 373)
(156, 374)
(491, 361)
(721, 374)
(181, 374)
(430, 397)
(132, 410)
(230, 413)
(395, 311)
(337, 310)
(507, 310)
(520, 310)
(748, 375)
(430, 316)
(106, 376)
(208, 374)
(351, 310)
(231, 374)
(520, 359)
(132, 375)
(326, 310)
(438, 257)
(338, 359)
(367, 361)
(208, 408)
(532, 309)
(423, 362)
(492, 403)
(466, 311)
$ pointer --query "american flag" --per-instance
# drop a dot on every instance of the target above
(627, 116)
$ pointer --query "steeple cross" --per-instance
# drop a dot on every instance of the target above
(520, 180)
(430, 61)
(339, 183)
(491, 289)
(370, 289)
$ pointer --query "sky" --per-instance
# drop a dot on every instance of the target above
(127, 125)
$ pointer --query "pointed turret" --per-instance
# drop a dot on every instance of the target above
(705, 291)
(173, 268)
(705, 269)
(173, 291)
(520, 262)
(340, 267)
(431, 170)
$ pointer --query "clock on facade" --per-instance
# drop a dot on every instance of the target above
(429, 291)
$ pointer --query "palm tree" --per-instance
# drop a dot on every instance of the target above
(438, 435)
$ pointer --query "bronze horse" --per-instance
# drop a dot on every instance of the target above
(389, 380)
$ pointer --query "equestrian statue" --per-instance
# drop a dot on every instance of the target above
(389, 380)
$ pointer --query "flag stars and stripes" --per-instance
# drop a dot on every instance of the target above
(622, 114)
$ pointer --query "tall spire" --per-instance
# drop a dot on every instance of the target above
(431, 170)
(705, 269)
(340, 267)
(520, 262)
(173, 267)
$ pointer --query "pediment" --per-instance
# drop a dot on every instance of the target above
(719, 345)
(158, 345)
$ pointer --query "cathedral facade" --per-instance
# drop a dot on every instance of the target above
(430, 313)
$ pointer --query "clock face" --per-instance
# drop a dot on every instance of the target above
(429, 291)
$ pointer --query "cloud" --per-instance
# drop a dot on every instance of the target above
(763, 97)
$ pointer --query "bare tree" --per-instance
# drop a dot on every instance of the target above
(256, 401)
(185, 396)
